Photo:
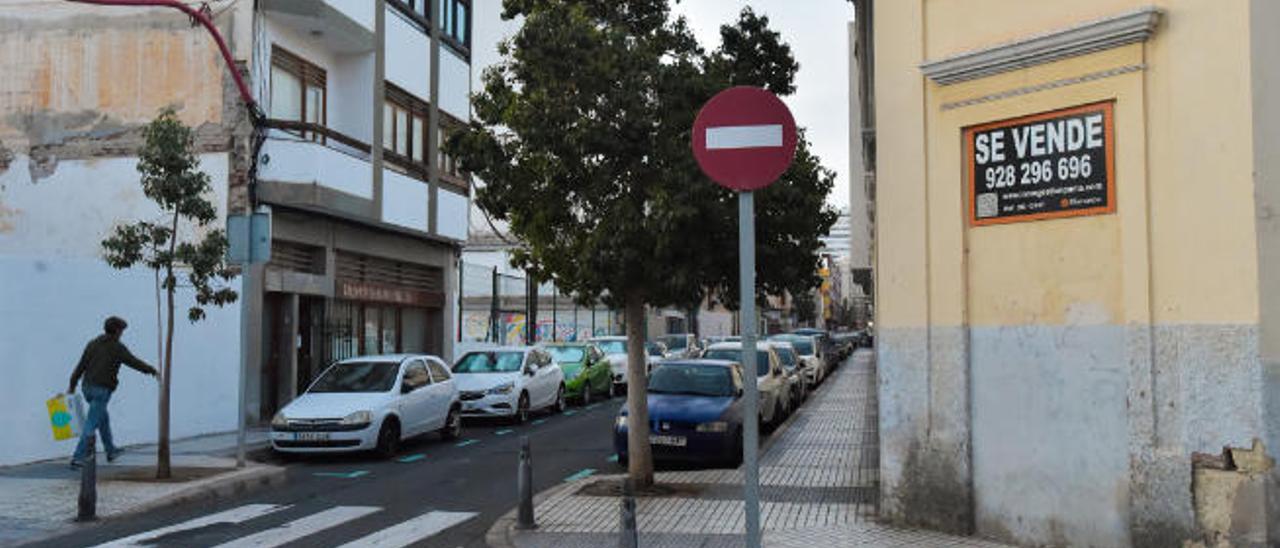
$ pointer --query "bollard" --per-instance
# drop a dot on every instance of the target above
(88, 501)
(524, 482)
(628, 537)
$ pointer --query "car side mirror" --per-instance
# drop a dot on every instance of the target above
(406, 388)
(529, 370)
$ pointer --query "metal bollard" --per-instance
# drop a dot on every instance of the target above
(88, 502)
(524, 480)
(628, 538)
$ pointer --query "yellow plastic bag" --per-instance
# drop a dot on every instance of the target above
(64, 423)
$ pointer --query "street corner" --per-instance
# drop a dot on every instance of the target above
(504, 532)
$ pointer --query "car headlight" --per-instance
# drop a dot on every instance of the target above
(714, 426)
(359, 417)
(504, 388)
(620, 422)
(279, 420)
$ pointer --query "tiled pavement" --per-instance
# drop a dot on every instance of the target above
(819, 488)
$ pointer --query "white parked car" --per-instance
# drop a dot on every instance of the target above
(771, 381)
(509, 382)
(615, 350)
(370, 402)
(807, 346)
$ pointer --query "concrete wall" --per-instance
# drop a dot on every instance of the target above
(405, 201)
(455, 85)
(1046, 382)
(453, 211)
(408, 56)
(57, 290)
(297, 161)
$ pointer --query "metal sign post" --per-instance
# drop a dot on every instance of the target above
(744, 138)
(249, 239)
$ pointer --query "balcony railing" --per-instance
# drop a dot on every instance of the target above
(346, 144)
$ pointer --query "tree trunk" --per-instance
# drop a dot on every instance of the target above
(166, 372)
(639, 454)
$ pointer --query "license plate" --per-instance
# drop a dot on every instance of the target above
(674, 441)
(311, 436)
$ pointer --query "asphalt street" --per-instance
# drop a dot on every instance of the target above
(435, 493)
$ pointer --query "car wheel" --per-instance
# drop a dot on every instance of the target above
(389, 438)
(522, 408)
(558, 406)
(586, 393)
(452, 425)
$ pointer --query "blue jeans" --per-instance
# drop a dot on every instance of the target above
(98, 420)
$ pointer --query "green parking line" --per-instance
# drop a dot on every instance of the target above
(612, 458)
(592, 406)
(570, 413)
(412, 458)
(343, 475)
(584, 473)
(539, 421)
(465, 443)
(503, 432)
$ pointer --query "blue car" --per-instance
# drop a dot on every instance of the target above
(695, 413)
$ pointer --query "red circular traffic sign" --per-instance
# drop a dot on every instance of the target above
(744, 138)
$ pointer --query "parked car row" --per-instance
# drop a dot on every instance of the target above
(695, 390)
(695, 401)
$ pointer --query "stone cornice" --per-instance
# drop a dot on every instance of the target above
(1111, 32)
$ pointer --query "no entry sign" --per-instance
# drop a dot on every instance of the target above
(744, 138)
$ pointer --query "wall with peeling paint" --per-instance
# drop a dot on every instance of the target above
(59, 290)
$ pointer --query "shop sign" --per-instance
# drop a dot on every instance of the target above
(367, 292)
(1043, 166)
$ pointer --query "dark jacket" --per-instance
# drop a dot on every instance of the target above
(100, 363)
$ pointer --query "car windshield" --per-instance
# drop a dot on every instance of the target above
(567, 354)
(490, 362)
(735, 355)
(803, 345)
(694, 380)
(357, 377)
(787, 356)
(675, 342)
(613, 347)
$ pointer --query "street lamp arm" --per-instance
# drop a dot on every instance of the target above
(202, 17)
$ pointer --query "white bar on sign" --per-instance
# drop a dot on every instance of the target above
(744, 136)
(409, 532)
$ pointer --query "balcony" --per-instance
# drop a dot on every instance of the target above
(346, 26)
(316, 168)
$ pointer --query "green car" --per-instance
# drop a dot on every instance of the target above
(586, 372)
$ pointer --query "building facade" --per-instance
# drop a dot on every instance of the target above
(368, 217)
(1076, 266)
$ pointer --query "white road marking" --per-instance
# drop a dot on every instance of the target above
(727, 137)
(412, 531)
(302, 527)
(234, 515)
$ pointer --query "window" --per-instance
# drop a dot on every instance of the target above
(455, 22)
(404, 123)
(438, 371)
(297, 89)
(415, 376)
(448, 164)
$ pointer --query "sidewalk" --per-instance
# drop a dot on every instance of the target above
(39, 500)
(818, 482)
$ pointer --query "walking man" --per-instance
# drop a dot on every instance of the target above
(100, 365)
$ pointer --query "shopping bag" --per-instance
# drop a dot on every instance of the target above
(64, 417)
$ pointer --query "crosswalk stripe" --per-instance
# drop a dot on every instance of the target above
(235, 515)
(302, 527)
(412, 531)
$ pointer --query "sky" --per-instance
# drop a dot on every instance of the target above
(819, 38)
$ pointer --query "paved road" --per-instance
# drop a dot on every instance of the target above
(436, 493)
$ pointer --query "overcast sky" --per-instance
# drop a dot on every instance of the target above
(817, 31)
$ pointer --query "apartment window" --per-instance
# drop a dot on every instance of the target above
(455, 22)
(448, 164)
(297, 89)
(404, 125)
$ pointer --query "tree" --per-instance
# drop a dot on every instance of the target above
(582, 135)
(183, 241)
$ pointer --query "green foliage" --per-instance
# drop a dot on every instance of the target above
(170, 176)
(582, 135)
